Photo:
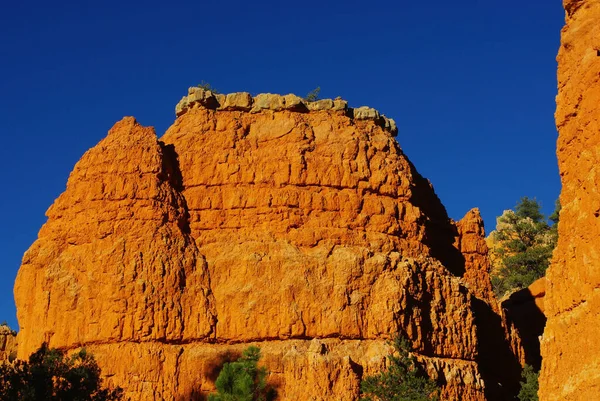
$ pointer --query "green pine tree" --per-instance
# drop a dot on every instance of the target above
(313, 95)
(525, 245)
(243, 380)
(207, 87)
(403, 380)
(50, 375)
(529, 384)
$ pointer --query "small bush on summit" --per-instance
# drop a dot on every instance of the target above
(529, 384)
(313, 95)
(50, 375)
(243, 380)
(207, 87)
(404, 380)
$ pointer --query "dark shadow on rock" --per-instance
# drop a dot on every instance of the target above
(498, 365)
(171, 173)
(440, 232)
(530, 321)
(193, 396)
(357, 369)
(418, 304)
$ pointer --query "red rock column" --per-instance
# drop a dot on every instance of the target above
(570, 347)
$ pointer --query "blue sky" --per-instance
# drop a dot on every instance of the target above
(471, 85)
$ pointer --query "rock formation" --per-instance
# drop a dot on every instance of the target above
(570, 350)
(525, 310)
(472, 244)
(8, 343)
(297, 226)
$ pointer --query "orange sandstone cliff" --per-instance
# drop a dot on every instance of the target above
(570, 347)
(298, 227)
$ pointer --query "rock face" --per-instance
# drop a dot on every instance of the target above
(570, 350)
(300, 228)
(472, 244)
(525, 309)
(8, 344)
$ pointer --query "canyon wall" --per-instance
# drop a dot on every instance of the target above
(570, 350)
(300, 227)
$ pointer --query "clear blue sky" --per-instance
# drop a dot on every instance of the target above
(471, 85)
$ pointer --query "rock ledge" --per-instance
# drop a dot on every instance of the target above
(243, 101)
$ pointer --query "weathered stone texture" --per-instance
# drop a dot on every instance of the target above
(472, 244)
(115, 247)
(570, 347)
(8, 344)
(307, 233)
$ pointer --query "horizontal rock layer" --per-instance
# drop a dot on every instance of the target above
(243, 101)
(321, 369)
(308, 233)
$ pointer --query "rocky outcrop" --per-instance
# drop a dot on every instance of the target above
(298, 227)
(472, 244)
(570, 350)
(525, 310)
(243, 101)
(114, 262)
(8, 344)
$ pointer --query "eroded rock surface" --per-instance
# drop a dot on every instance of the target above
(472, 244)
(300, 228)
(8, 344)
(115, 262)
(570, 350)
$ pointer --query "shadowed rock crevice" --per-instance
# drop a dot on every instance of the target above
(171, 170)
(440, 231)
(500, 367)
(172, 174)
(523, 311)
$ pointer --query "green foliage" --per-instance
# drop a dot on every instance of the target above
(529, 209)
(207, 87)
(313, 95)
(404, 380)
(529, 384)
(554, 217)
(243, 380)
(50, 375)
(525, 245)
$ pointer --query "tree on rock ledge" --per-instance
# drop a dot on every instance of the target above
(50, 375)
(523, 247)
(404, 380)
(243, 380)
